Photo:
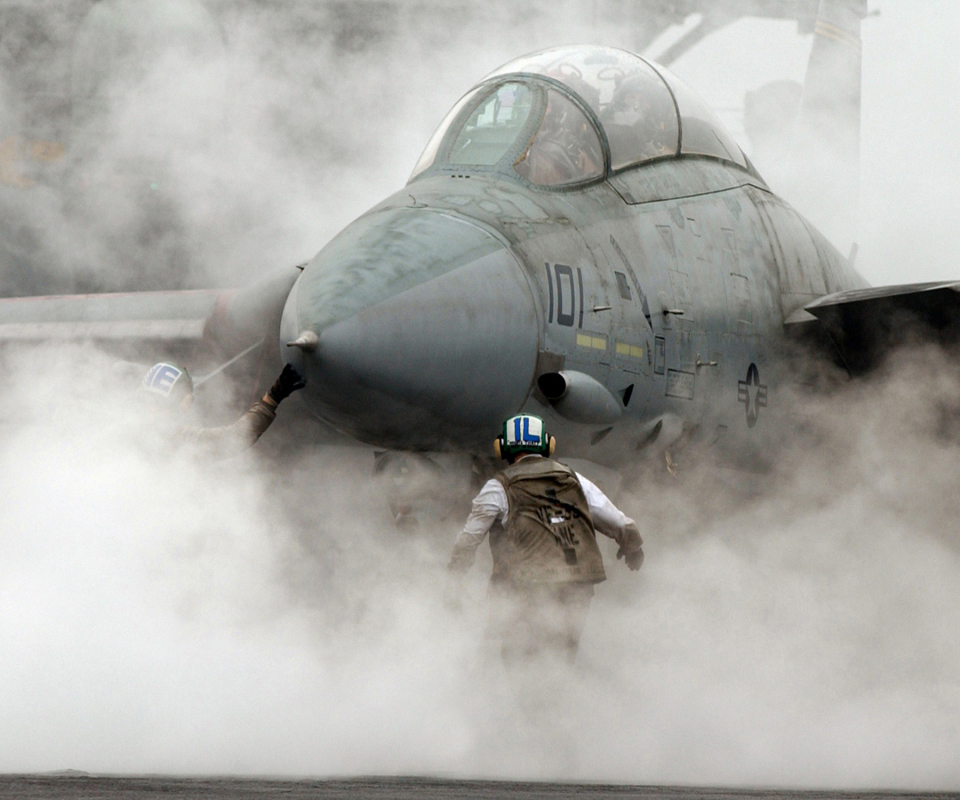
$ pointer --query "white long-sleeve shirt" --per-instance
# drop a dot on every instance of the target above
(491, 504)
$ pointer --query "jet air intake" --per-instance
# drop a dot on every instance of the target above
(579, 398)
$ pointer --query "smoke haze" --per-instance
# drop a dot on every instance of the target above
(263, 616)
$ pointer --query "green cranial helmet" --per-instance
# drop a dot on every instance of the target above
(524, 433)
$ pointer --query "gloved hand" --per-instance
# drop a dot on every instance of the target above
(631, 547)
(288, 382)
(632, 558)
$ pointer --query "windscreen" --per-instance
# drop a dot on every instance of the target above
(429, 154)
(493, 127)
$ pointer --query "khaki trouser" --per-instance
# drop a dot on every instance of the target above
(538, 620)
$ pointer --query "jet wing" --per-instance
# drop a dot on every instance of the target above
(146, 316)
(865, 324)
(207, 324)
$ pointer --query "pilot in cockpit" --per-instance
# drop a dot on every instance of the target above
(635, 119)
(564, 149)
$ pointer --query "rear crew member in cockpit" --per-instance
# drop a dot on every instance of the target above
(633, 121)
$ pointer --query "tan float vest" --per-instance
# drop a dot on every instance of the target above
(548, 535)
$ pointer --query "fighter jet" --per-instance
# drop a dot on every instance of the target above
(581, 239)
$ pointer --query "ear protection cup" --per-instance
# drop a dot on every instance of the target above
(552, 446)
(496, 447)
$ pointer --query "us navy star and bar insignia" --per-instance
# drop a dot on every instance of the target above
(752, 394)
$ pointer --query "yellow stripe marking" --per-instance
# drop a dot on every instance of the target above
(630, 350)
(593, 342)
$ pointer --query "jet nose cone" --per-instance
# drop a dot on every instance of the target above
(426, 329)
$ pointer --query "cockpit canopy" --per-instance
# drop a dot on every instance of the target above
(569, 115)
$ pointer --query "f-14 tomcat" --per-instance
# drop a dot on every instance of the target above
(581, 239)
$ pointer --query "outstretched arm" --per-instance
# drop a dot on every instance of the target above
(228, 441)
(612, 522)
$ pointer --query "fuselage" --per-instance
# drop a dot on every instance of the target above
(662, 288)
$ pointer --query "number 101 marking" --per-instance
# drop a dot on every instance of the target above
(560, 281)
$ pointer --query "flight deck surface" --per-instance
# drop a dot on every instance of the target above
(104, 787)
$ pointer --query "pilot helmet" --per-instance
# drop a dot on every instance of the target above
(168, 383)
(631, 100)
(523, 433)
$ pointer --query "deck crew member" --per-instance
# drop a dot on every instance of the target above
(172, 387)
(542, 518)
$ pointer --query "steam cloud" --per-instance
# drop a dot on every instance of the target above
(263, 616)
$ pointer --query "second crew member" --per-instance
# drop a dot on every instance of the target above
(172, 387)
